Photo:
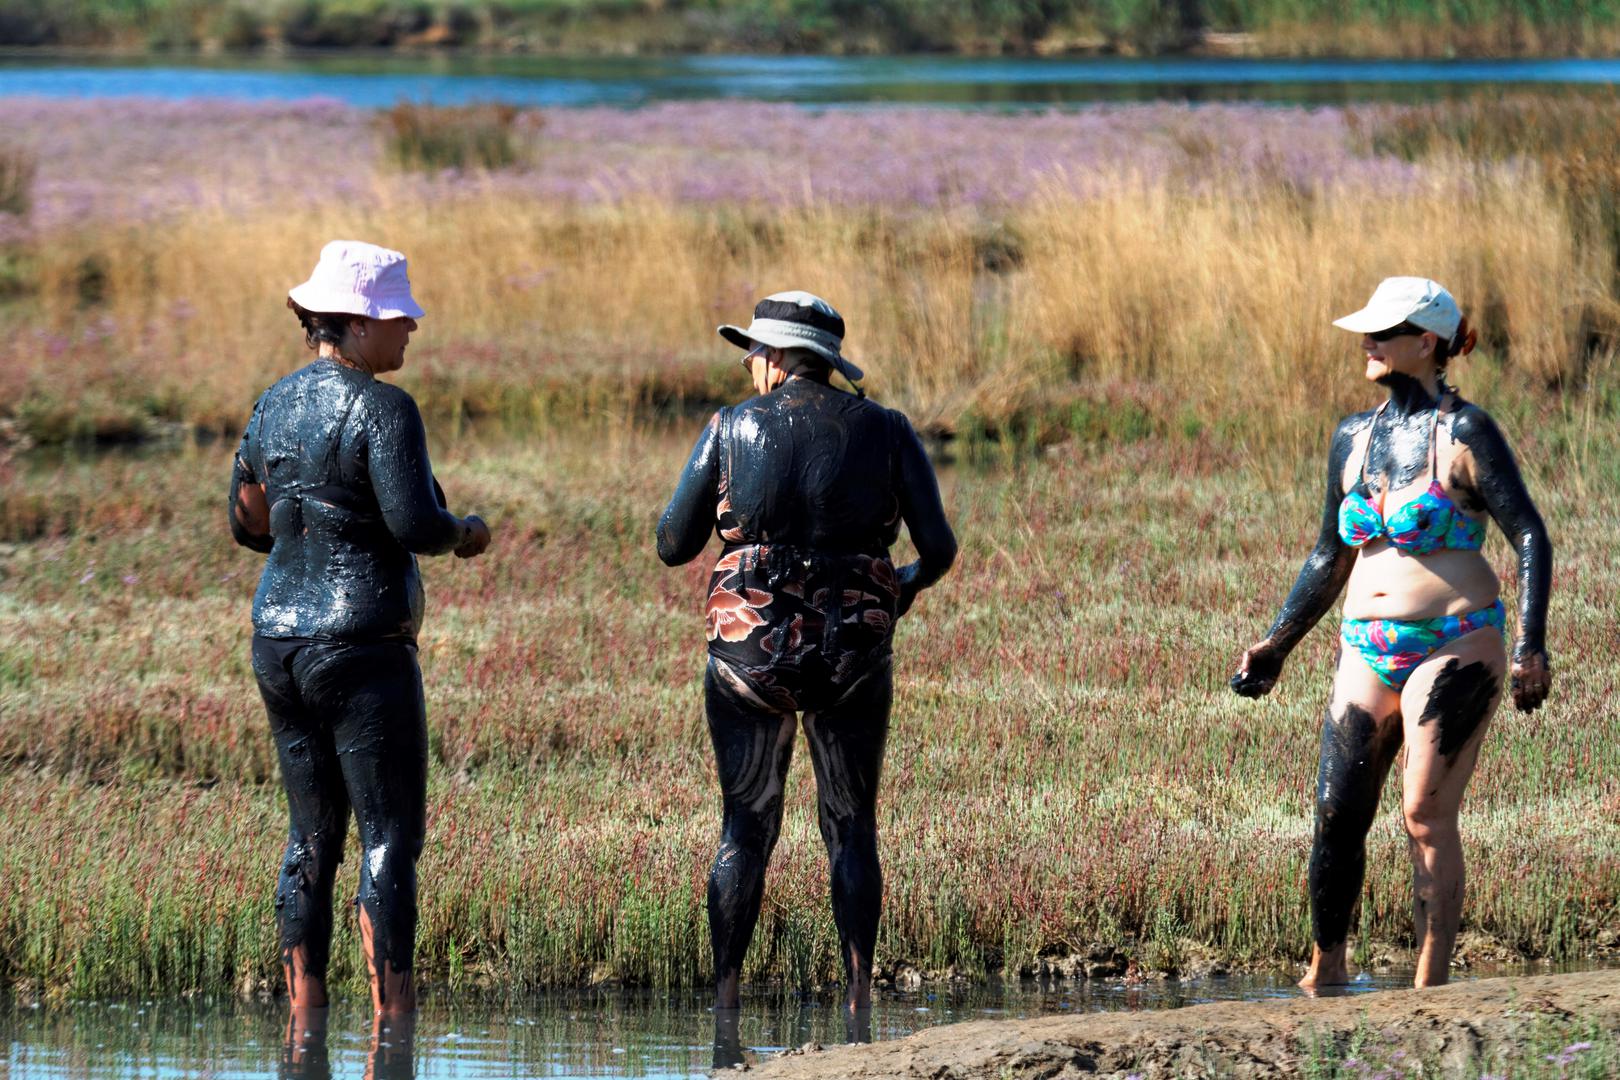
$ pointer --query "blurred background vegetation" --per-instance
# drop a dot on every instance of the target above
(1435, 28)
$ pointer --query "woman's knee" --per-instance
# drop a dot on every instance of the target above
(1428, 824)
(313, 856)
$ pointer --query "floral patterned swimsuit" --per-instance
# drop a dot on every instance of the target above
(786, 622)
(793, 626)
(805, 487)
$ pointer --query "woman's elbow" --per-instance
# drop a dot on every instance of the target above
(675, 549)
(253, 541)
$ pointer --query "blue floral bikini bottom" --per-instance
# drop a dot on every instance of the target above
(1394, 648)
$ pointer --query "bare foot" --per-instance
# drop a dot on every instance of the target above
(727, 994)
(1327, 969)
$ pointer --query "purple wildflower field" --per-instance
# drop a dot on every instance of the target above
(134, 160)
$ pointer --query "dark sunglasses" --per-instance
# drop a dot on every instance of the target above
(1403, 330)
(747, 360)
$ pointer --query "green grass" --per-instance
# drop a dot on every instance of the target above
(1065, 767)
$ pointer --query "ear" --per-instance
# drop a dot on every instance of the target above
(1429, 343)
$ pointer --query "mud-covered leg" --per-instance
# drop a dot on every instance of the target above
(1360, 736)
(753, 746)
(728, 1048)
(846, 747)
(1448, 704)
(318, 818)
(374, 693)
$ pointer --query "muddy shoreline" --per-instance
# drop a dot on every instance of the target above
(1459, 1029)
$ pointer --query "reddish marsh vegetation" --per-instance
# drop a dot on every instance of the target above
(1066, 765)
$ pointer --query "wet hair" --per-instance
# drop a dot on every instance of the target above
(321, 326)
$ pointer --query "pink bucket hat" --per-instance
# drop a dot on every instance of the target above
(357, 278)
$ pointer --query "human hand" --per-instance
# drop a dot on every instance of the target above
(1258, 670)
(1530, 678)
(477, 538)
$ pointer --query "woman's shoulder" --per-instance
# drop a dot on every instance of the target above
(1470, 423)
(384, 398)
(1354, 424)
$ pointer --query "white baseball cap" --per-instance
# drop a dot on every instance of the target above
(1419, 301)
(357, 278)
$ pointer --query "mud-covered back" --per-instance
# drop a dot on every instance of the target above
(339, 455)
(809, 465)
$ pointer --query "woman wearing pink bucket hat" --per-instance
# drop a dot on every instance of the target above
(1411, 487)
(332, 481)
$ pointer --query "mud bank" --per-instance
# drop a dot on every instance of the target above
(1458, 1028)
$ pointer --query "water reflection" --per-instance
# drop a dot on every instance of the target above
(566, 1034)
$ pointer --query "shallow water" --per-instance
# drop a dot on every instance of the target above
(575, 1034)
(383, 79)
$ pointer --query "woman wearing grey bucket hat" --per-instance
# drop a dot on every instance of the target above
(807, 486)
(1411, 487)
(332, 482)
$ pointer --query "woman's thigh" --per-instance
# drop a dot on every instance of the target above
(1447, 704)
(1361, 732)
(753, 745)
(846, 747)
(372, 696)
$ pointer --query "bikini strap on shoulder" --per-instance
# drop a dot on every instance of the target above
(1434, 436)
(1366, 450)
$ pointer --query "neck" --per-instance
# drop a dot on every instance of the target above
(1409, 394)
(328, 351)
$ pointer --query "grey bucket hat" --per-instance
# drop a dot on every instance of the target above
(796, 320)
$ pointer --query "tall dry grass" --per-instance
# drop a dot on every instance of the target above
(1206, 298)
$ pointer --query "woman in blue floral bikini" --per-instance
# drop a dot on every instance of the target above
(1411, 486)
(807, 486)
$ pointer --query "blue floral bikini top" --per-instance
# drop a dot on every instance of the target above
(1431, 522)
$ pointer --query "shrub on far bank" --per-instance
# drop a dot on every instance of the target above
(432, 137)
(18, 168)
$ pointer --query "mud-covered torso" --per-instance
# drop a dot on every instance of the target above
(802, 601)
(1394, 464)
(811, 466)
(334, 572)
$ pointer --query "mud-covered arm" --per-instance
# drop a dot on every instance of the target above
(1328, 565)
(688, 520)
(923, 513)
(248, 510)
(1316, 588)
(1501, 486)
(402, 476)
